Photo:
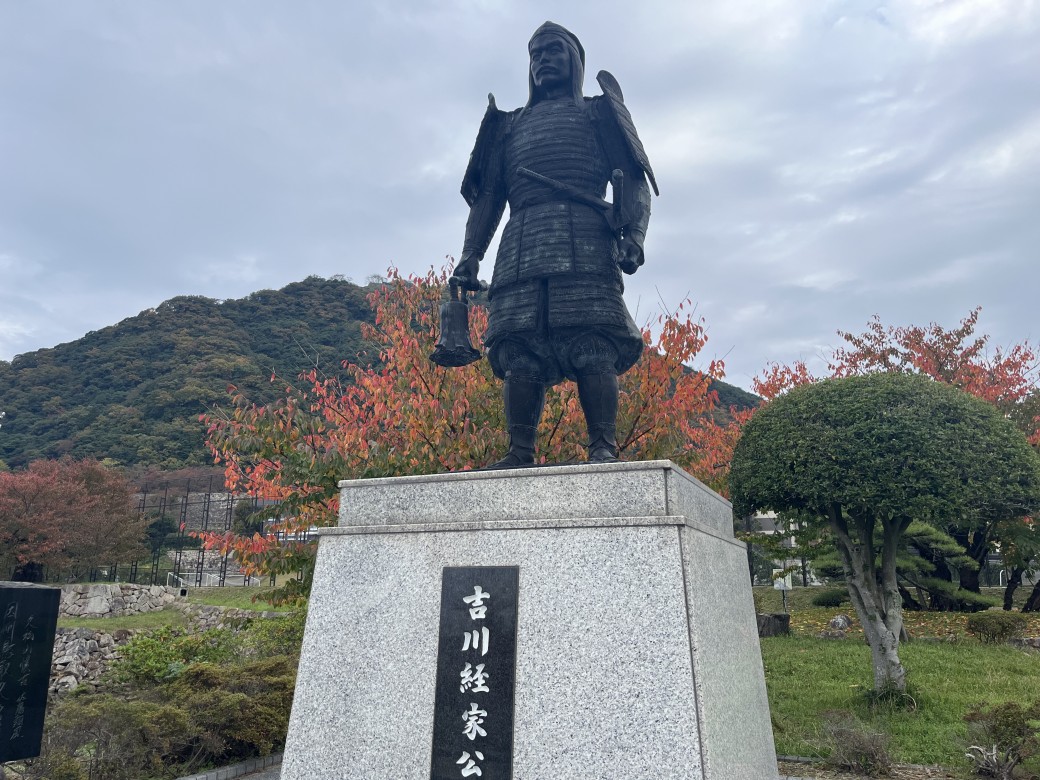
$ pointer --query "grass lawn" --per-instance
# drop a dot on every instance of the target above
(169, 616)
(807, 676)
(230, 596)
(240, 598)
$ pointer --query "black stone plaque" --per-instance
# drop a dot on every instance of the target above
(28, 615)
(476, 670)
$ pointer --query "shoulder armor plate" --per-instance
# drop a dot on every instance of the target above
(480, 159)
(616, 100)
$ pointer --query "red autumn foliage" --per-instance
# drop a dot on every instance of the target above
(1006, 377)
(65, 515)
(406, 415)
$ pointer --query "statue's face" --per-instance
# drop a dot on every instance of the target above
(550, 61)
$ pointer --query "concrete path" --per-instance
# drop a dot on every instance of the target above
(266, 768)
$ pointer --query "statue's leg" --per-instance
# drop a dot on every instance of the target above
(593, 359)
(599, 400)
(524, 398)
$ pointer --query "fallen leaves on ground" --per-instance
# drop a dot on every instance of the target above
(899, 772)
(920, 625)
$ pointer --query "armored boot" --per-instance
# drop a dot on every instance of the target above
(599, 400)
(524, 399)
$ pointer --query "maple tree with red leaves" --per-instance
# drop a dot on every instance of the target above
(65, 516)
(405, 415)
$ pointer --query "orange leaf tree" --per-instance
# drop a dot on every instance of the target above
(396, 413)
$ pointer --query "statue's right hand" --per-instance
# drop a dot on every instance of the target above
(466, 272)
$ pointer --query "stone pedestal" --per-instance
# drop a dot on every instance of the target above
(637, 652)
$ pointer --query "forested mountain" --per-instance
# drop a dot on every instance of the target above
(133, 392)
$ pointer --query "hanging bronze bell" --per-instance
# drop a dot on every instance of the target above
(454, 348)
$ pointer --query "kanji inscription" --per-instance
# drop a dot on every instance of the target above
(476, 660)
(28, 615)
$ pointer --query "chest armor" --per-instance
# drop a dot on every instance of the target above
(547, 234)
(556, 139)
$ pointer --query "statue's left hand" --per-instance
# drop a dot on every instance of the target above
(630, 254)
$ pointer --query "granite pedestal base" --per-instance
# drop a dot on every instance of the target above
(637, 654)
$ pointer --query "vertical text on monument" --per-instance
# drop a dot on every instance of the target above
(476, 670)
(28, 615)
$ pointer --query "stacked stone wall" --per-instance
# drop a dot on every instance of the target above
(204, 617)
(115, 600)
(82, 655)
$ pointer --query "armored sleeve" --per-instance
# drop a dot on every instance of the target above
(482, 184)
(613, 103)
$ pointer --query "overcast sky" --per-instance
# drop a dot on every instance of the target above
(819, 162)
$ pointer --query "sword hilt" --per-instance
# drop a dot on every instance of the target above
(617, 209)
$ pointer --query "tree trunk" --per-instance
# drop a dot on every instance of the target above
(869, 599)
(889, 674)
(942, 569)
(937, 600)
(970, 578)
(909, 602)
(28, 572)
(748, 525)
(893, 601)
(1033, 602)
(976, 545)
(1013, 584)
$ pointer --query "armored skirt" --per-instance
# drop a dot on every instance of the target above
(556, 283)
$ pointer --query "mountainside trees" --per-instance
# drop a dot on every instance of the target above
(133, 392)
(865, 456)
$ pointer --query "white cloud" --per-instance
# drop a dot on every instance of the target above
(818, 162)
(956, 22)
(243, 268)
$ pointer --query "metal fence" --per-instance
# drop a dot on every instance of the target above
(183, 508)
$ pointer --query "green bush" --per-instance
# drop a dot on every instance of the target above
(945, 596)
(242, 710)
(996, 627)
(209, 714)
(164, 654)
(117, 739)
(853, 747)
(275, 636)
(832, 597)
(1001, 737)
(53, 765)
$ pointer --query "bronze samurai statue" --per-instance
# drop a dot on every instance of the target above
(556, 307)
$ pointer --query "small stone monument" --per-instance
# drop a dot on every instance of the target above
(583, 621)
(28, 616)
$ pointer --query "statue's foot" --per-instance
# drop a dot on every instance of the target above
(603, 445)
(605, 454)
(513, 460)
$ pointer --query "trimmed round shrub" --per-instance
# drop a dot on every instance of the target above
(831, 597)
(996, 627)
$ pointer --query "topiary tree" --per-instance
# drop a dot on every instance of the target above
(864, 457)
